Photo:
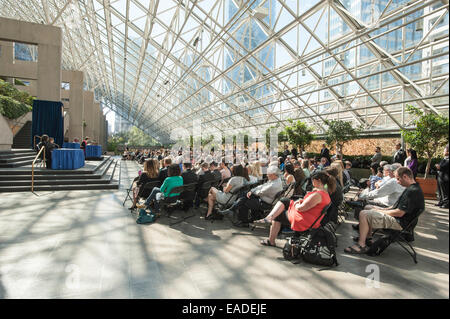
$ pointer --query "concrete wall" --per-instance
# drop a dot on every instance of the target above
(6, 136)
(47, 70)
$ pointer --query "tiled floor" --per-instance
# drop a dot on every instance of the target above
(85, 244)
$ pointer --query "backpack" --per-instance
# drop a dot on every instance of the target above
(319, 247)
(145, 218)
(315, 246)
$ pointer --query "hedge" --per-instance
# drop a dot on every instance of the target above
(11, 108)
(364, 161)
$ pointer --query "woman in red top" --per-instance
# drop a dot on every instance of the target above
(301, 214)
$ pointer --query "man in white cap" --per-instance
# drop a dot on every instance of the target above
(257, 198)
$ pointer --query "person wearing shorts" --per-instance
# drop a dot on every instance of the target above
(396, 217)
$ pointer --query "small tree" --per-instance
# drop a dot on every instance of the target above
(339, 133)
(298, 134)
(431, 133)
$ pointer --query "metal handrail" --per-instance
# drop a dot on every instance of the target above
(32, 167)
(34, 141)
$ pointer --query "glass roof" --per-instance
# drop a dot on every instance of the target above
(241, 64)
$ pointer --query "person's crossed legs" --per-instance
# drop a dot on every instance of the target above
(278, 209)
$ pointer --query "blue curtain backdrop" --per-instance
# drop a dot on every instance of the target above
(48, 119)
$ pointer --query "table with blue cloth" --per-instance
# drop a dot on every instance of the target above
(71, 145)
(93, 151)
(67, 158)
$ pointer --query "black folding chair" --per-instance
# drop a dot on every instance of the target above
(402, 237)
(188, 188)
(147, 189)
(129, 190)
(202, 191)
(171, 202)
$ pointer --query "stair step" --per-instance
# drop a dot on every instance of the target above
(16, 164)
(16, 158)
(10, 189)
(104, 176)
(56, 182)
(13, 178)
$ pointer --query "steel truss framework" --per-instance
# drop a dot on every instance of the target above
(163, 64)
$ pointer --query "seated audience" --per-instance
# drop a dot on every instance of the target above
(222, 197)
(299, 176)
(214, 168)
(257, 198)
(205, 177)
(173, 180)
(395, 217)
(189, 177)
(150, 174)
(377, 175)
(288, 176)
(347, 172)
(301, 214)
(163, 172)
(224, 170)
(388, 193)
(337, 197)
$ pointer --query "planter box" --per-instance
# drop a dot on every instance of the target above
(429, 187)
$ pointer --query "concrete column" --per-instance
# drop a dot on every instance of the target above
(88, 106)
(76, 103)
(96, 122)
(6, 58)
(101, 127)
(49, 72)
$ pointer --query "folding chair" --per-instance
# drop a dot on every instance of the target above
(203, 191)
(129, 190)
(188, 188)
(402, 237)
(170, 202)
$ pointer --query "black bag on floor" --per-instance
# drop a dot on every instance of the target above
(378, 246)
(315, 246)
(291, 250)
(320, 247)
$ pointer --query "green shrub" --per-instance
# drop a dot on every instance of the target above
(12, 108)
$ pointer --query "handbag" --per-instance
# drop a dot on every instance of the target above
(145, 218)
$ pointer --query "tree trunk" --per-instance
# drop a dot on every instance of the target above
(427, 169)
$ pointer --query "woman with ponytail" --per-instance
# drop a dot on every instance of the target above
(301, 214)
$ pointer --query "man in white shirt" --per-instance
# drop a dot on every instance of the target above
(388, 191)
(257, 198)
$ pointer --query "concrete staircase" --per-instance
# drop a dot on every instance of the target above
(105, 175)
(16, 158)
(22, 139)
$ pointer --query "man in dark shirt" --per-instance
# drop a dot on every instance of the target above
(189, 177)
(399, 155)
(207, 176)
(396, 217)
(163, 173)
(442, 179)
(325, 152)
(214, 168)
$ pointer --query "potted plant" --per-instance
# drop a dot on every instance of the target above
(339, 133)
(298, 134)
(429, 136)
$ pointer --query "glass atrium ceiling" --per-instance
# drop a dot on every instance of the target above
(233, 64)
